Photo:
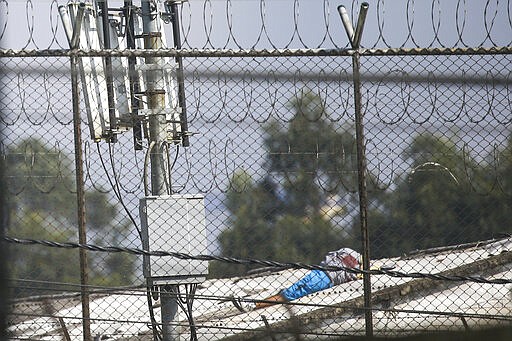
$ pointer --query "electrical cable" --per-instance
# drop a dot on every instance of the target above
(146, 166)
(149, 300)
(115, 187)
(191, 293)
(232, 260)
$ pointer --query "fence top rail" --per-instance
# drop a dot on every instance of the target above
(10, 53)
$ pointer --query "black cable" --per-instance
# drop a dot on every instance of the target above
(115, 187)
(154, 325)
(117, 192)
(245, 261)
(190, 294)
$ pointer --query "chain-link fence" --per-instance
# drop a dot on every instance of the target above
(242, 159)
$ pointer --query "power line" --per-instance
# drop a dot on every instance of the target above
(138, 291)
(250, 261)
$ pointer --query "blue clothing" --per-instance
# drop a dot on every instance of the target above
(314, 281)
(317, 280)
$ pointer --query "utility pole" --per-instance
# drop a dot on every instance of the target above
(155, 94)
(165, 216)
(355, 39)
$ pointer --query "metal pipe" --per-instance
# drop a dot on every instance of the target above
(77, 27)
(155, 85)
(132, 74)
(179, 74)
(361, 157)
(360, 24)
(169, 311)
(363, 196)
(80, 194)
(347, 23)
(79, 177)
(103, 9)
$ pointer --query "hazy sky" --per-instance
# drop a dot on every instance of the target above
(290, 23)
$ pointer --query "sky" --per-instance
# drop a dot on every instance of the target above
(290, 23)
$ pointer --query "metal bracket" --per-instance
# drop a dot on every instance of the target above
(354, 37)
(149, 35)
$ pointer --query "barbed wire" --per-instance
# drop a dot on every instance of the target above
(211, 24)
(225, 53)
(212, 33)
(219, 165)
(459, 77)
(491, 90)
(251, 261)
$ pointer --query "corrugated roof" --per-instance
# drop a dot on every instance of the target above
(403, 305)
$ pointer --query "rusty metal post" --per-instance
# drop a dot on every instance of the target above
(80, 195)
(355, 39)
(73, 35)
(363, 195)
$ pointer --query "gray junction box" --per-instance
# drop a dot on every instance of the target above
(174, 223)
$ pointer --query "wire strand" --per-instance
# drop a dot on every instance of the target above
(246, 261)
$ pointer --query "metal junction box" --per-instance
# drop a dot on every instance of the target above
(174, 223)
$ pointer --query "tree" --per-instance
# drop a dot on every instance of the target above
(495, 192)
(42, 205)
(3, 255)
(282, 216)
(437, 204)
(311, 155)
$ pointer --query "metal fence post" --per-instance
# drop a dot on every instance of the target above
(363, 197)
(355, 39)
(73, 35)
(80, 193)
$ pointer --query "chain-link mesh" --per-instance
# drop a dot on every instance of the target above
(271, 181)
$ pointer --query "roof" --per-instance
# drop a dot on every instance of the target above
(402, 304)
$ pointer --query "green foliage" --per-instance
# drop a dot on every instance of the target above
(311, 154)
(448, 198)
(34, 172)
(37, 263)
(42, 205)
(443, 197)
(280, 217)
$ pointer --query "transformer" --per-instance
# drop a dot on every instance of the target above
(174, 223)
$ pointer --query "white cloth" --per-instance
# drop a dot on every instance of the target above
(343, 257)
